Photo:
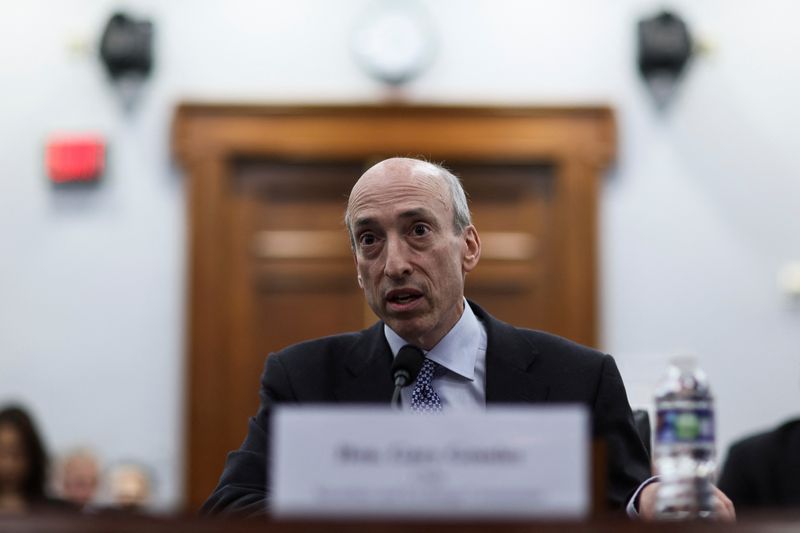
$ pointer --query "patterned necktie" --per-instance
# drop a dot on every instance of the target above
(424, 399)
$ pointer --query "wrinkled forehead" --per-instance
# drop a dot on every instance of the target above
(401, 179)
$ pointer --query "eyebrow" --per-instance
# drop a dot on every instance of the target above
(410, 213)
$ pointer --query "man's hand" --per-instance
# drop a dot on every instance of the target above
(723, 506)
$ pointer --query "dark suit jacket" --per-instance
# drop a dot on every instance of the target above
(522, 366)
(763, 470)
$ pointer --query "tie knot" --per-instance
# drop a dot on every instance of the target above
(424, 398)
(426, 372)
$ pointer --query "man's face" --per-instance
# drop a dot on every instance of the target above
(13, 459)
(80, 480)
(410, 261)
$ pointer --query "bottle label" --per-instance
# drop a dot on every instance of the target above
(685, 425)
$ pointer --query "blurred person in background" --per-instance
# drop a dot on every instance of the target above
(78, 478)
(129, 487)
(23, 466)
(763, 470)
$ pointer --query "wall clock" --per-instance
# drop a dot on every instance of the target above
(394, 41)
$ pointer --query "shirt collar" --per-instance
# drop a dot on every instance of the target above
(457, 351)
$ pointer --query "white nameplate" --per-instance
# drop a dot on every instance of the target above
(521, 462)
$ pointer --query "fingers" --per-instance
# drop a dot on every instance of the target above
(647, 501)
(723, 506)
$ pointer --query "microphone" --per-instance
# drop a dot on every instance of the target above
(405, 368)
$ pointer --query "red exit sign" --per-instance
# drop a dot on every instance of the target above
(75, 158)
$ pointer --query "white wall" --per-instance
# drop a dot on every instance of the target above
(698, 214)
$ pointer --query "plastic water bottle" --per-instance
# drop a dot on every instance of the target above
(684, 443)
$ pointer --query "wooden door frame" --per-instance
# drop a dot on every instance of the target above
(579, 142)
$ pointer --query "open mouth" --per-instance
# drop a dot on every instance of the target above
(402, 298)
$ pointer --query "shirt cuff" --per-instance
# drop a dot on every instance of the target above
(631, 509)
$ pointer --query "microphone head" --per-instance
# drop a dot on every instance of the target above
(407, 364)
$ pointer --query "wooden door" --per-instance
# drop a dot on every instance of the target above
(513, 207)
(270, 259)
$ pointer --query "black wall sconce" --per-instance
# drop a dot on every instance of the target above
(126, 46)
(664, 49)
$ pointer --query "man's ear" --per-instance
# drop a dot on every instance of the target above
(472, 249)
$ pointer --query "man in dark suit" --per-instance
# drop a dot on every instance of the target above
(763, 470)
(413, 245)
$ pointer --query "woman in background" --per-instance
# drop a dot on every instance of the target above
(23, 464)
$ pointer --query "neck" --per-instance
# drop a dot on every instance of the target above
(427, 343)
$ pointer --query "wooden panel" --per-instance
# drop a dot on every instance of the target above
(508, 245)
(512, 208)
(374, 132)
(207, 373)
(295, 244)
(293, 273)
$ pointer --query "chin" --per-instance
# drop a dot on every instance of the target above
(408, 329)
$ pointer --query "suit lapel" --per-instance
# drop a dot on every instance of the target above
(367, 376)
(510, 364)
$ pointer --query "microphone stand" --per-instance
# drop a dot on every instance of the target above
(405, 368)
(399, 383)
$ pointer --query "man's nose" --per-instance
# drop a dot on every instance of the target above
(397, 264)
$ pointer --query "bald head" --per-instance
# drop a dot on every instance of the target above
(435, 178)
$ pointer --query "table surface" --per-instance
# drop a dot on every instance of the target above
(762, 522)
